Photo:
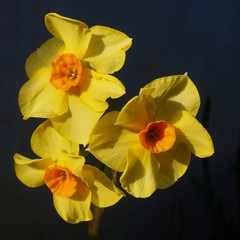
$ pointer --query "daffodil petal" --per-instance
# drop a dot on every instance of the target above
(192, 133)
(39, 98)
(106, 52)
(109, 143)
(75, 209)
(31, 171)
(43, 56)
(137, 113)
(173, 164)
(174, 93)
(139, 176)
(75, 34)
(78, 122)
(101, 87)
(74, 163)
(46, 141)
(104, 192)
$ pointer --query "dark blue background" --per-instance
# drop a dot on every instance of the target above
(169, 37)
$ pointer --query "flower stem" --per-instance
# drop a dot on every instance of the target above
(94, 224)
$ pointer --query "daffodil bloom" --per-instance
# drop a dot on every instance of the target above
(69, 76)
(151, 139)
(74, 185)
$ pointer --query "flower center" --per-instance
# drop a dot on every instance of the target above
(158, 136)
(66, 71)
(60, 181)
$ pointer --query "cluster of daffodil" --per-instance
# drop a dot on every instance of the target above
(150, 140)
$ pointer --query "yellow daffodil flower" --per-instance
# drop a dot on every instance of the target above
(151, 139)
(74, 185)
(69, 79)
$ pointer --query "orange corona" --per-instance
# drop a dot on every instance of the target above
(158, 136)
(66, 71)
(61, 181)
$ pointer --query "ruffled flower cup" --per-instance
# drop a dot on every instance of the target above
(69, 79)
(151, 139)
(74, 185)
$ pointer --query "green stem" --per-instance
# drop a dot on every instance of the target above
(94, 224)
